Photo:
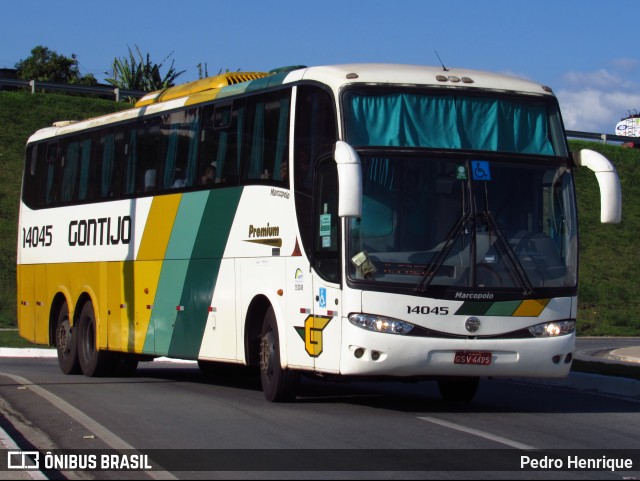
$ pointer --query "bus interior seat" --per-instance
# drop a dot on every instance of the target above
(149, 180)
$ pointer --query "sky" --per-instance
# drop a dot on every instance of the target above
(586, 50)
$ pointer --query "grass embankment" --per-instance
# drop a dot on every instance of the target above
(609, 261)
(11, 338)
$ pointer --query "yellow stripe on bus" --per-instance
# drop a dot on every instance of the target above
(531, 308)
(158, 229)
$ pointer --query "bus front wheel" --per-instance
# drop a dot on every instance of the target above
(93, 362)
(67, 343)
(278, 384)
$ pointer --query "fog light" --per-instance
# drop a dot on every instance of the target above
(556, 358)
(568, 359)
(375, 355)
(358, 353)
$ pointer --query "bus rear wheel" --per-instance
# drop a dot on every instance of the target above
(278, 384)
(93, 362)
(458, 390)
(66, 339)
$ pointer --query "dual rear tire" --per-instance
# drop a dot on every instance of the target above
(66, 340)
(77, 349)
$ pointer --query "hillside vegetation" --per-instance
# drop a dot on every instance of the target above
(609, 259)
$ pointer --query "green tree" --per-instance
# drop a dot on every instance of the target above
(139, 73)
(203, 70)
(46, 65)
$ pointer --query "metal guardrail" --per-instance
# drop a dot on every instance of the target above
(105, 90)
(573, 134)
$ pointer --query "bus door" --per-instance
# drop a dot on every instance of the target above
(323, 334)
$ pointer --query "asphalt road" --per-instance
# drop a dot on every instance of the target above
(172, 407)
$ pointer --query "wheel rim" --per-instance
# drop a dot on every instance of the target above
(63, 337)
(267, 350)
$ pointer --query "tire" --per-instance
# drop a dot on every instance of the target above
(458, 390)
(66, 340)
(94, 363)
(278, 384)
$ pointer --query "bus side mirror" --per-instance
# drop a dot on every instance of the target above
(610, 192)
(349, 181)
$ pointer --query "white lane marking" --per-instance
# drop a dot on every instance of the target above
(477, 432)
(109, 438)
(8, 443)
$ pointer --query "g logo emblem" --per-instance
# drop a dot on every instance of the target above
(311, 333)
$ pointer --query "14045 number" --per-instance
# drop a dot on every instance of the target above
(37, 236)
(438, 311)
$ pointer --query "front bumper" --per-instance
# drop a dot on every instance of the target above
(367, 353)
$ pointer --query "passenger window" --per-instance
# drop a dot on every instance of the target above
(265, 143)
(179, 152)
(218, 151)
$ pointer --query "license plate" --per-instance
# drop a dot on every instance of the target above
(472, 357)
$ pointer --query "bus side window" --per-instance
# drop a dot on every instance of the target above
(50, 175)
(76, 163)
(316, 132)
(30, 190)
(326, 257)
(179, 152)
(106, 159)
(218, 150)
(265, 138)
(141, 155)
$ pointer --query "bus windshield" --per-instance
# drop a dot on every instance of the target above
(432, 119)
(485, 223)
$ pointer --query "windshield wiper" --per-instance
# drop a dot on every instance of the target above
(442, 254)
(488, 218)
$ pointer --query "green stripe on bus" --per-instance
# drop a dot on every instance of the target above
(506, 308)
(164, 313)
(173, 273)
(186, 225)
(202, 274)
(474, 308)
(266, 82)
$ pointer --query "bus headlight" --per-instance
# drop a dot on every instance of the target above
(375, 323)
(553, 329)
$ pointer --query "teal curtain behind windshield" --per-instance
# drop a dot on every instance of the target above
(447, 122)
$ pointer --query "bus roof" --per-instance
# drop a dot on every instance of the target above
(339, 75)
(335, 76)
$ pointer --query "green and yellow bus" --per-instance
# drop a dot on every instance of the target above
(357, 220)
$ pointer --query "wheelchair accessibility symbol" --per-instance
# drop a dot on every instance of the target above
(480, 170)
